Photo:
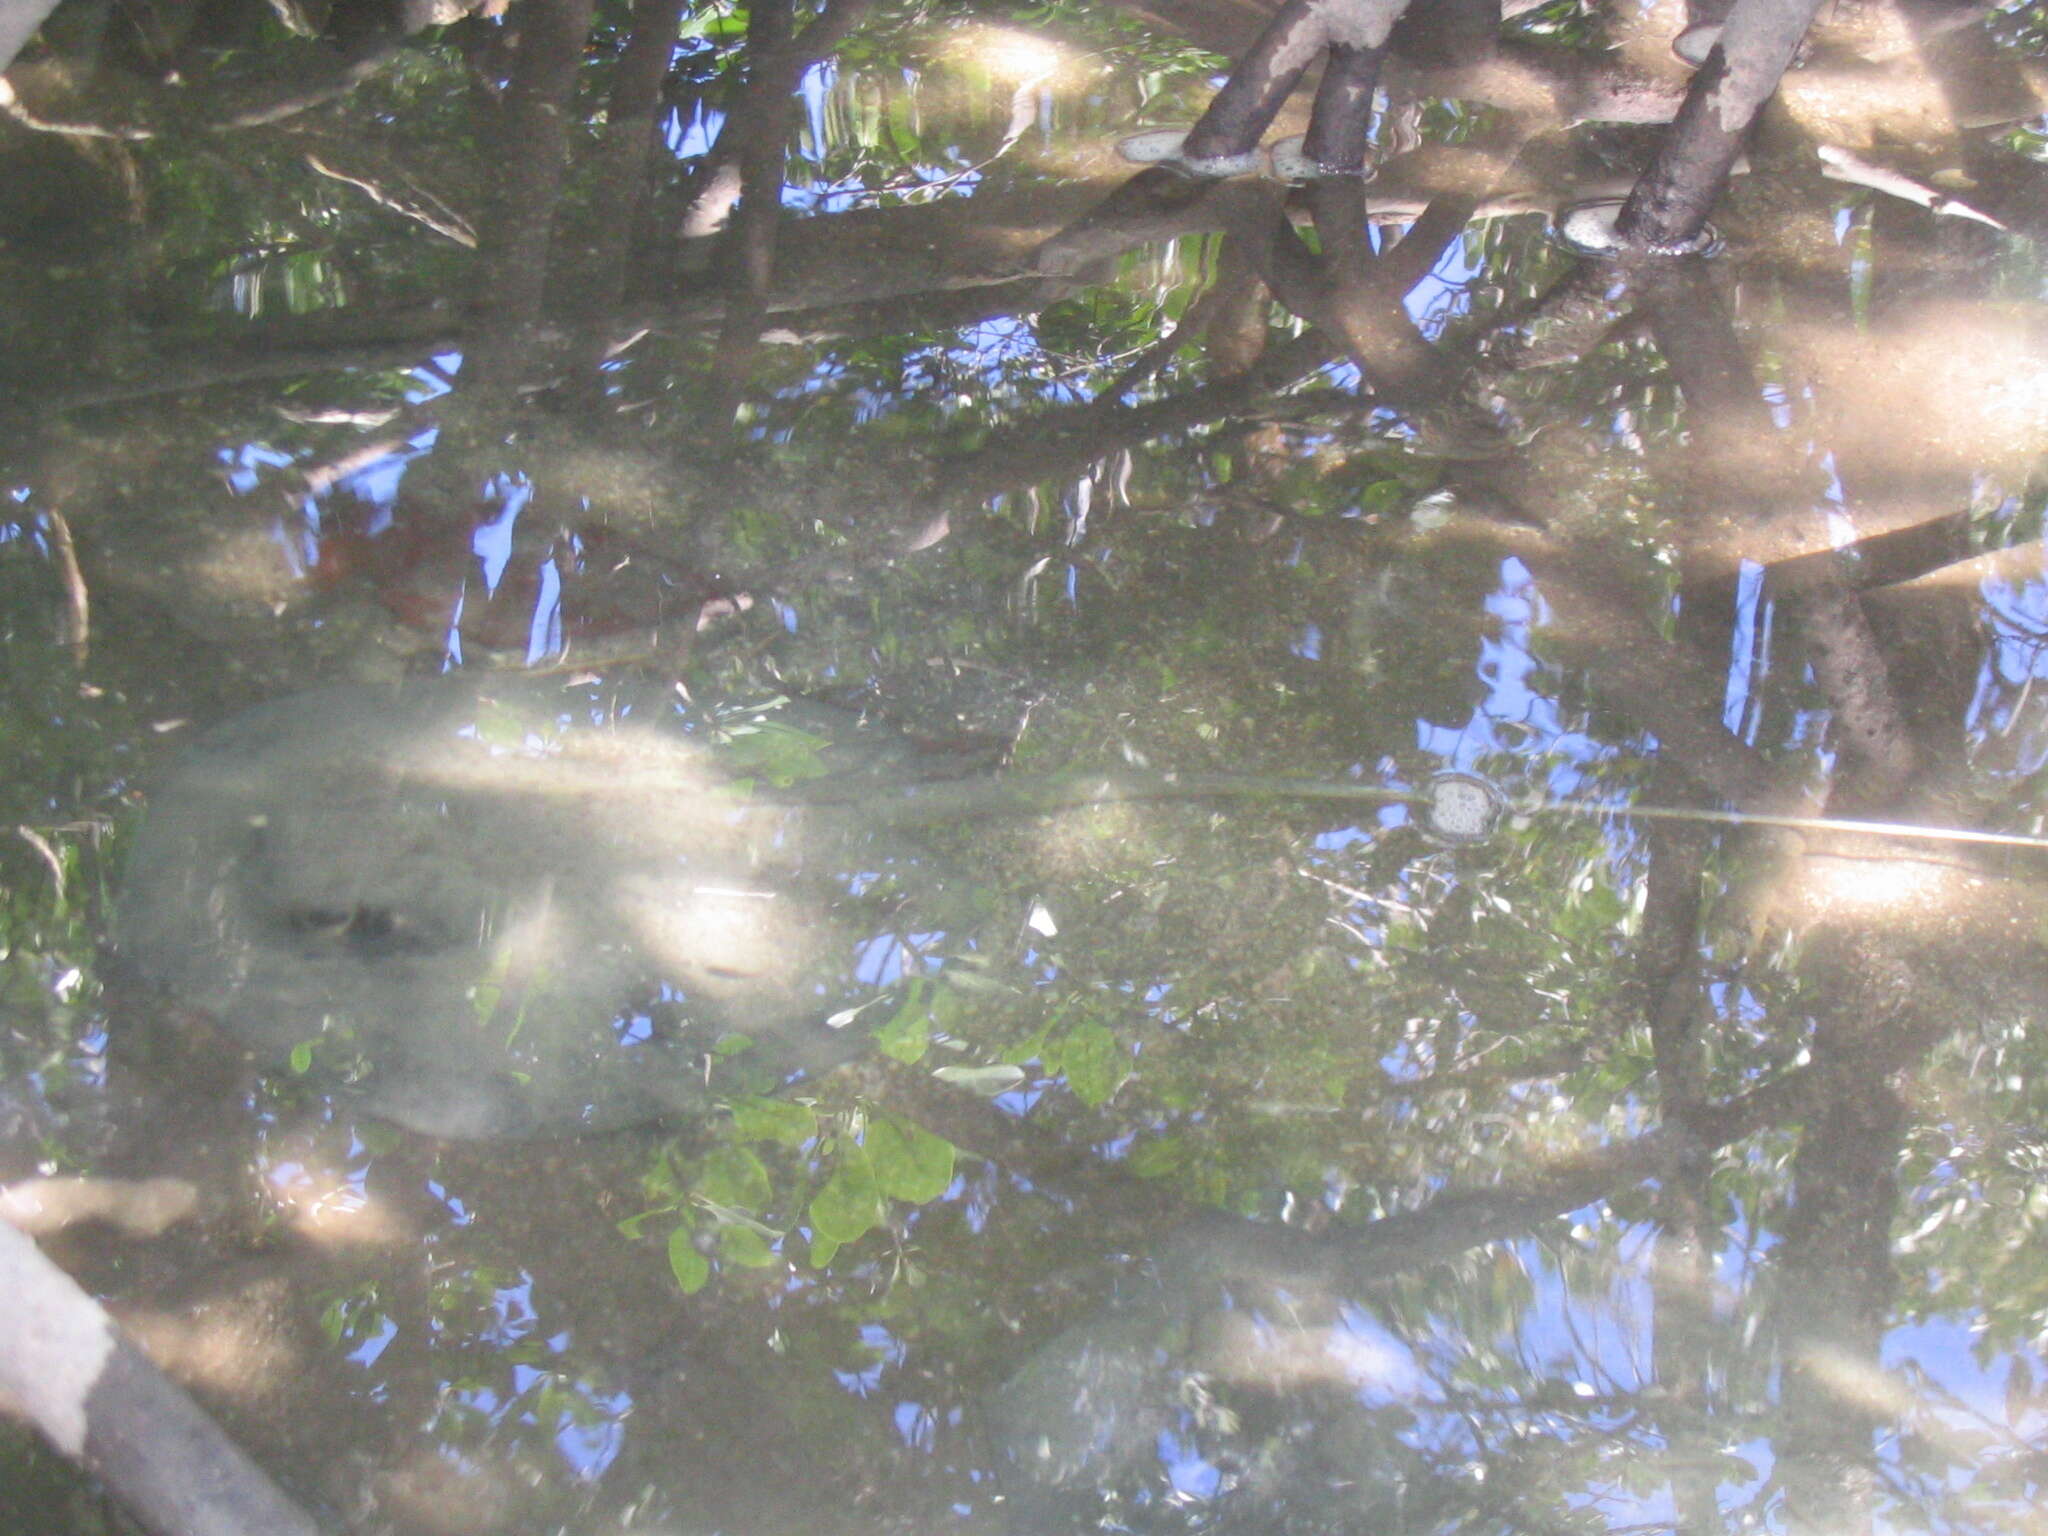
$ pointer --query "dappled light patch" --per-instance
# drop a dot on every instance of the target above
(242, 1343)
(1970, 378)
(449, 1495)
(317, 1196)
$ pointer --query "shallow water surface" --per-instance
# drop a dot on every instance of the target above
(501, 511)
(515, 909)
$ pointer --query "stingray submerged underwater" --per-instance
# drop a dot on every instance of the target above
(509, 908)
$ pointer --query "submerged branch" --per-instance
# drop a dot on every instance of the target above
(101, 1402)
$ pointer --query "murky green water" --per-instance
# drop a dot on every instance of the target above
(1242, 1162)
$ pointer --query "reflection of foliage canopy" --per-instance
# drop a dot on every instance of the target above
(1570, 1127)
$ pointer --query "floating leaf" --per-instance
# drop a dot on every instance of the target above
(690, 1267)
(666, 1183)
(963, 977)
(908, 1034)
(1094, 1063)
(1030, 1049)
(745, 1246)
(946, 1005)
(849, 1202)
(846, 1016)
(1041, 1044)
(733, 1216)
(632, 1225)
(302, 1058)
(986, 1081)
(910, 1163)
(778, 1120)
(734, 1176)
